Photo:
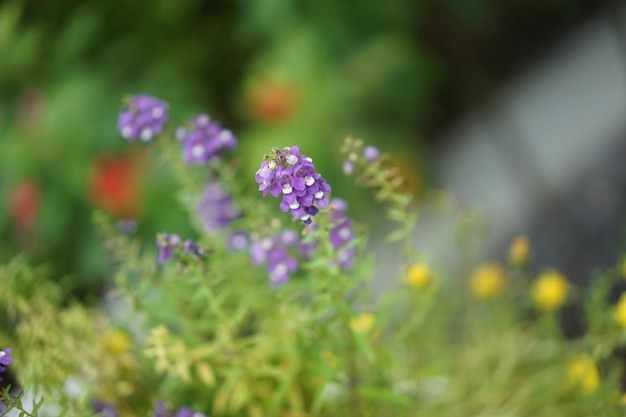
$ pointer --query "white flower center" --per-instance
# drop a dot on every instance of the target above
(305, 217)
(319, 194)
(127, 131)
(280, 269)
(308, 159)
(157, 112)
(147, 134)
(239, 241)
(292, 159)
(197, 151)
(294, 206)
(202, 120)
(345, 233)
(225, 136)
(271, 164)
(287, 189)
(309, 181)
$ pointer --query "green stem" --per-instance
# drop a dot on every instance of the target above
(13, 404)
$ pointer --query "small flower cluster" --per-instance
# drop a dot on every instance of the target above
(386, 182)
(292, 174)
(274, 251)
(216, 208)
(203, 139)
(358, 155)
(341, 234)
(167, 244)
(5, 360)
(143, 118)
(160, 410)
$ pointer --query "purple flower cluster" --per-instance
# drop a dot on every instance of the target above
(167, 244)
(203, 139)
(274, 251)
(292, 174)
(341, 234)
(5, 360)
(216, 208)
(161, 410)
(143, 118)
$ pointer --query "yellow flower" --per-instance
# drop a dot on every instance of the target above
(487, 280)
(117, 341)
(619, 313)
(519, 250)
(549, 290)
(584, 374)
(418, 276)
(362, 323)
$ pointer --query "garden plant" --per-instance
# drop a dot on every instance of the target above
(268, 308)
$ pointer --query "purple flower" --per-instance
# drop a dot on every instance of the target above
(348, 168)
(291, 174)
(238, 241)
(107, 410)
(5, 360)
(127, 226)
(289, 238)
(166, 243)
(143, 118)
(341, 234)
(160, 410)
(259, 250)
(203, 139)
(308, 248)
(371, 153)
(280, 265)
(274, 251)
(188, 412)
(216, 208)
(191, 247)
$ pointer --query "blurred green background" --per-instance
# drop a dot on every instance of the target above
(276, 72)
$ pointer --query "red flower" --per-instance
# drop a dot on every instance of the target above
(24, 203)
(114, 185)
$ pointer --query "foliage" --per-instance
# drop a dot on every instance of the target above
(203, 328)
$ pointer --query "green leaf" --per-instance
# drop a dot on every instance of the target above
(395, 236)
